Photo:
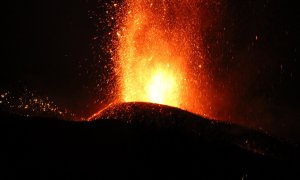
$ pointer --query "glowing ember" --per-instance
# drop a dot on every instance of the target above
(30, 104)
(154, 49)
(159, 53)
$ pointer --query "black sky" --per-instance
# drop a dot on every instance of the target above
(48, 49)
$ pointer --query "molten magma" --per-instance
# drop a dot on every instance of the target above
(155, 43)
(162, 88)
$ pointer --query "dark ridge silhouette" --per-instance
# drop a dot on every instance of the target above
(141, 141)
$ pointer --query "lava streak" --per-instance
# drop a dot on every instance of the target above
(155, 45)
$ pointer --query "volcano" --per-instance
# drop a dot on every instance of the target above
(141, 141)
(157, 116)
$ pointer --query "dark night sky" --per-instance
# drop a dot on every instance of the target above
(48, 47)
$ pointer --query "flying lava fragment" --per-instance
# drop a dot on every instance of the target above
(156, 42)
(159, 53)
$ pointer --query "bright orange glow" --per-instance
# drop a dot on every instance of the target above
(152, 55)
(159, 55)
(154, 84)
(162, 88)
(162, 54)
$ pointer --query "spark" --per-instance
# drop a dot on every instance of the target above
(159, 53)
(155, 42)
(30, 104)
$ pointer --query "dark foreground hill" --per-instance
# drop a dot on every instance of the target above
(141, 141)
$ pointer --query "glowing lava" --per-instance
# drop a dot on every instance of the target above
(162, 88)
(160, 54)
(154, 47)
